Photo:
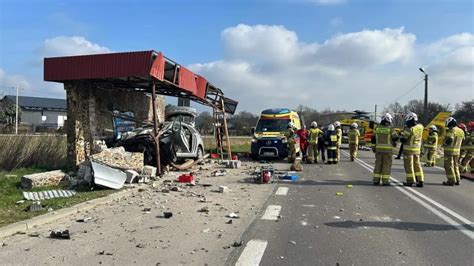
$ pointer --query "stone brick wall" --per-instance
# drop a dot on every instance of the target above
(90, 114)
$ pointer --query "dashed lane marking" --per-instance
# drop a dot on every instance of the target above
(282, 191)
(272, 212)
(465, 228)
(253, 253)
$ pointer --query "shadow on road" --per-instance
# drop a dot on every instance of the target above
(408, 226)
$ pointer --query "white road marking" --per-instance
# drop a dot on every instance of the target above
(464, 228)
(283, 191)
(253, 253)
(272, 212)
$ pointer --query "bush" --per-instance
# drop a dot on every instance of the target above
(19, 151)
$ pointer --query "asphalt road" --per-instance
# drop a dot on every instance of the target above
(323, 221)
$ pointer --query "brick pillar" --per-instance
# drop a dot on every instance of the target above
(90, 115)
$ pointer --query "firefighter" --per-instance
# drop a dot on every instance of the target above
(431, 145)
(331, 141)
(468, 146)
(353, 140)
(337, 126)
(322, 146)
(303, 134)
(383, 141)
(452, 150)
(411, 139)
(314, 134)
(290, 136)
(463, 153)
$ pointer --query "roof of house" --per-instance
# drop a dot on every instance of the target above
(38, 102)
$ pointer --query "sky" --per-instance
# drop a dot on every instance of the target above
(337, 54)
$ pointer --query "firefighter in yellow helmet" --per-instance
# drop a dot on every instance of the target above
(290, 136)
(383, 142)
(431, 145)
(314, 134)
(411, 139)
(452, 150)
(337, 125)
(353, 140)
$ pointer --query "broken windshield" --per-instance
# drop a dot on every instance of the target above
(272, 125)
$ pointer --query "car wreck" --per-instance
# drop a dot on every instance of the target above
(179, 140)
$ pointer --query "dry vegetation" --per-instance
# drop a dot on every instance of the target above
(20, 151)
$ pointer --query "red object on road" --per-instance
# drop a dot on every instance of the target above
(186, 178)
(214, 155)
(266, 177)
(235, 157)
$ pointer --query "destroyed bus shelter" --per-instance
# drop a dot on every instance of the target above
(145, 72)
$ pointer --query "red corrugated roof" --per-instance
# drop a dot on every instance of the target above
(131, 70)
(98, 66)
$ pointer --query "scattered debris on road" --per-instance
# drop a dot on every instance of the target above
(58, 234)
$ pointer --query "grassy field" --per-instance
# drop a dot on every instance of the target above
(11, 192)
(238, 144)
(43, 151)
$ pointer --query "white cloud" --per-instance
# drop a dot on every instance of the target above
(9, 81)
(336, 22)
(268, 66)
(69, 45)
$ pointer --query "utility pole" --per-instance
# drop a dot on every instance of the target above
(16, 115)
(425, 106)
(375, 114)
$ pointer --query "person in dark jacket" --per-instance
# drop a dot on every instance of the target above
(331, 141)
(322, 146)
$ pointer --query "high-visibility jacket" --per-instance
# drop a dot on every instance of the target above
(339, 135)
(432, 141)
(468, 143)
(413, 136)
(383, 139)
(331, 140)
(353, 136)
(314, 134)
(453, 141)
(290, 135)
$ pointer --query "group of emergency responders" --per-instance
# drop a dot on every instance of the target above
(458, 147)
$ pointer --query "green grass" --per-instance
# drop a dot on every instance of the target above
(11, 192)
(237, 144)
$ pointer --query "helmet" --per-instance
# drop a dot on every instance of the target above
(387, 118)
(451, 122)
(354, 125)
(314, 124)
(337, 124)
(411, 119)
(331, 127)
(291, 125)
(470, 126)
(433, 128)
(463, 126)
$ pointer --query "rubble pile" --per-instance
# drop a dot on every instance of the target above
(120, 159)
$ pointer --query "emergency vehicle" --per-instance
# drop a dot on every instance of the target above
(268, 137)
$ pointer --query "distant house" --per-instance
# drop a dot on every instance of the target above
(40, 112)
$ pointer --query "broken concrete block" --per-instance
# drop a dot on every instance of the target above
(52, 178)
(131, 176)
(149, 170)
(223, 189)
(234, 164)
(85, 172)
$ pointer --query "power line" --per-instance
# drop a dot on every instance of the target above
(408, 91)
